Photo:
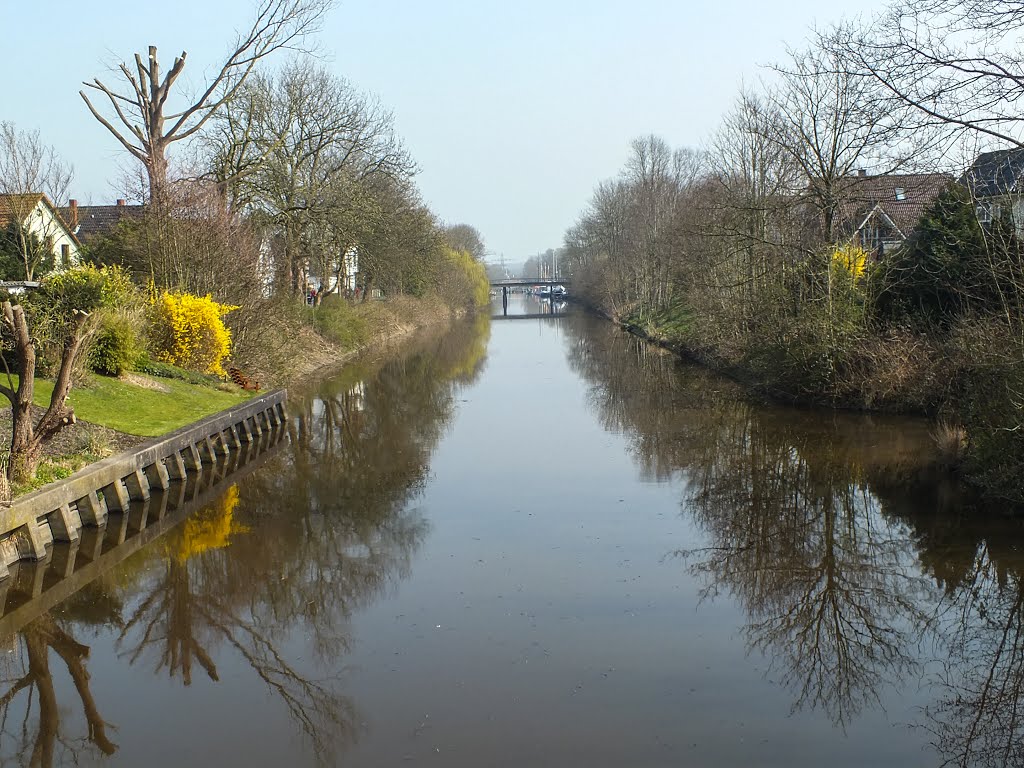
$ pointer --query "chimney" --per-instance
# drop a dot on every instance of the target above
(862, 172)
(120, 202)
(73, 214)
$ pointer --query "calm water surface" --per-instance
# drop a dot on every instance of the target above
(542, 543)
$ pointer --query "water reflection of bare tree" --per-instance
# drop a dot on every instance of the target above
(35, 686)
(978, 718)
(191, 605)
(336, 527)
(179, 621)
(168, 622)
(829, 582)
(344, 526)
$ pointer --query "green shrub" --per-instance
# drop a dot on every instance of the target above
(950, 268)
(117, 344)
(151, 367)
(336, 320)
(462, 281)
(61, 296)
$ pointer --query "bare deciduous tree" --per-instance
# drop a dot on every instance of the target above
(299, 151)
(745, 220)
(832, 124)
(463, 237)
(140, 120)
(955, 63)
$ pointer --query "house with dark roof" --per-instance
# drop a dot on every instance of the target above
(879, 213)
(996, 182)
(92, 221)
(39, 218)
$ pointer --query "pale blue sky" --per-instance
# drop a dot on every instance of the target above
(513, 111)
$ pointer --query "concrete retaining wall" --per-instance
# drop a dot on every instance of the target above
(36, 587)
(58, 511)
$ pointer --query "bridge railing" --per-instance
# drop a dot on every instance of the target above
(517, 281)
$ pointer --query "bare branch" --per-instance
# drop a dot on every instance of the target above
(278, 25)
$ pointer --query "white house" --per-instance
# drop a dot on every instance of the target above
(996, 182)
(39, 218)
(349, 270)
(343, 279)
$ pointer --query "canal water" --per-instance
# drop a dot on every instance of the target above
(541, 542)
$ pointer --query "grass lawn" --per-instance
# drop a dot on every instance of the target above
(139, 411)
(672, 323)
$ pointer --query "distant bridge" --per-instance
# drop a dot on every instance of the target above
(549, 296)
(532, 316)
(525, 281)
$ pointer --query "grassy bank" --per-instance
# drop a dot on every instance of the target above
(143, 406)
(814, 363)
(116, 413)
(326, 335)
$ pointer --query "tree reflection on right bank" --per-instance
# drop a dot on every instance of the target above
(977, 719)
(859, 566)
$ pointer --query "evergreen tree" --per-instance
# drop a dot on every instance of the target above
(16, 251)
(948, 268)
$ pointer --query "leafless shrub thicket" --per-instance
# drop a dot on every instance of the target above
(742, 251)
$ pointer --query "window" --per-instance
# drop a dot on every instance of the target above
(983, 212)
(871, 235)
(901, 193)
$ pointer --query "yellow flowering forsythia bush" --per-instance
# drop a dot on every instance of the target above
(188, 331)
(850, 260)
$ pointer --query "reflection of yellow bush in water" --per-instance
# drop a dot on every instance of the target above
(212, 528)
(465, 366)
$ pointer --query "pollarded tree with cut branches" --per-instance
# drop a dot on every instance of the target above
(137, 113)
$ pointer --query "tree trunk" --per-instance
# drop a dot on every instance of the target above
(156, 169)
(25, 452)
(22, 464)
(27, 440)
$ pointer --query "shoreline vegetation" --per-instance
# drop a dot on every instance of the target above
(270, 225)
(116, 413)
(851, 234)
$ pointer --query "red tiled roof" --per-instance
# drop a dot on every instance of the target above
(14, 208)
(903, 198)
(18, 207)
(95, 220)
